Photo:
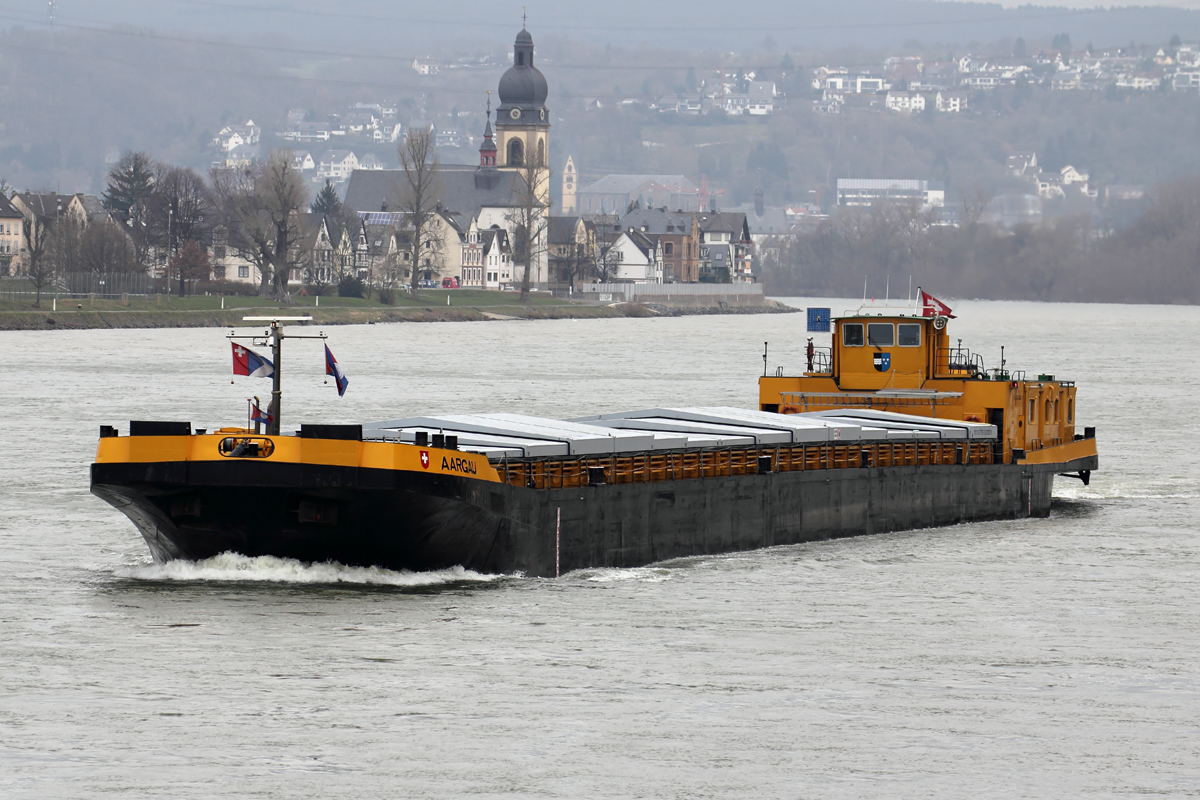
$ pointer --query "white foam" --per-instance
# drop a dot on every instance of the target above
(269, 569)
(613, 575)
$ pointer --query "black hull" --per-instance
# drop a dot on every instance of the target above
(415, 521)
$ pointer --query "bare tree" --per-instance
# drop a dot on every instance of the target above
(529, 217)
(261, 207)
(574, 261)
(974, 203)
(282, 196)
(180, 211)
(605, 256)
(105, 248)
(420, 194)
(191, 262)
(64, 245)
(249, 231)
(39, 268)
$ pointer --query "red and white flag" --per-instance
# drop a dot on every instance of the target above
(931, 306)
(248, 362)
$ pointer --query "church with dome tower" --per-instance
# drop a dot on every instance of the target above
(522, 120)
(479, 197)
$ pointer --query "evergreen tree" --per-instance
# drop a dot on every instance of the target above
(327, 202)
(130, 182)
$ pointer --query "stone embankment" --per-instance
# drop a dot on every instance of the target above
(83, 319)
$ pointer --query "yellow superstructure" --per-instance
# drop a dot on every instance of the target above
(906, 363)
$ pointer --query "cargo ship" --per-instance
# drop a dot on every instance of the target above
(889, 428)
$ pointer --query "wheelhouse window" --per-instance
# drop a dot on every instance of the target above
(852, 334)
(881, 334)
(909, 334)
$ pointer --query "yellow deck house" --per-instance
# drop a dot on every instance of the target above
(907, 363)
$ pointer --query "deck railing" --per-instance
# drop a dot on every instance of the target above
(559, 473)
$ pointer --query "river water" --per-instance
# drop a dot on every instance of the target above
(1034, 658)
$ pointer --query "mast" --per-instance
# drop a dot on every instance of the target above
(276, 357)
(276, 336)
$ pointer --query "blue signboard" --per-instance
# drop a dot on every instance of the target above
(818, 320)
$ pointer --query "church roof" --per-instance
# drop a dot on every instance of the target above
(462, 195)
(773, 220)
(624, 184)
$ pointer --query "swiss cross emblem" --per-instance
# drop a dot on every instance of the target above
(424, 459)
(241, 352)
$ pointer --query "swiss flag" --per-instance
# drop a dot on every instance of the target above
(424, 459)
(931, 306)
(248, 362)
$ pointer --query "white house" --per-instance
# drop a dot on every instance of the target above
(1021, 164)
(950, 102)
(424, 66)
(982, 81)
(839, 79)
(1186, 81)
(232, 136)
(758, 100)
(905, 102)
(336, 165)
(1071, 175)
(486, 259)
(306, 132)
(867, 191)
(1049, 185)
(370, 161)
(1139, 82)
(1079, 180)
(303, 161)
(637, 258)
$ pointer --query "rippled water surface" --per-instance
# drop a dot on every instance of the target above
(1035, 658)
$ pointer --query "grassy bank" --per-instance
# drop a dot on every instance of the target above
(431, 306)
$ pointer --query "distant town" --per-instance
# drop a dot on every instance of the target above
(355, 233)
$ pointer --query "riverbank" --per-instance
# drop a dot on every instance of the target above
(205, 312)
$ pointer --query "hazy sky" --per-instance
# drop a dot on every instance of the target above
(1189, 4)
(417, 26)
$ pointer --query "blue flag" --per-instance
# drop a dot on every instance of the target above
(332, 368)
(258, 415)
